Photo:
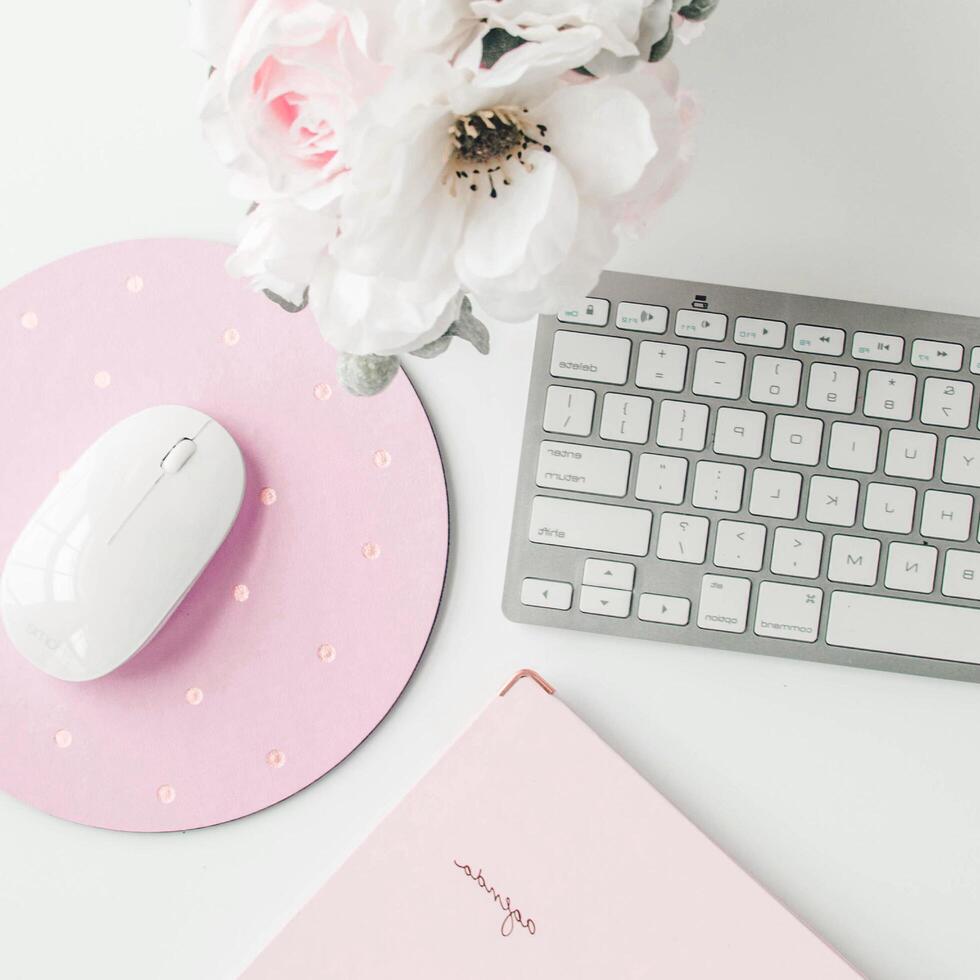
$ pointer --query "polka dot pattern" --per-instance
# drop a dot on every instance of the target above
(194, 695)
(102, 379)
(63, 738)
(268, 496)
(322, 391)
(135, 284)
(166, 793)
(371, 551)
(29, 320)
(382, 459)
(231, 337)
(326, 653)
(276, 758)
(241, 593)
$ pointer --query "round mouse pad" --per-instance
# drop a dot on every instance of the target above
(307, 624)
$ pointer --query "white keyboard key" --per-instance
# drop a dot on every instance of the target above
(877, 347)
(961, 462)
(790, 612)
(754, 332)
(853, 447)
(889, 395)
(818, 340)
(673, 610)
(608, 574)
(718, 486)
(796, 552)
(936, 354)
(589, 311)
(724, 603)
(625, 418)
(947, 403)
(682, 425)
(739, 544)
(946, 515)
(640, 316)
(853, 560)
(590, 357)
(718, 373)
(775, 493)
(832, 501)
(584, 469)
(796, 439)
(911, 454)
(589, 526)
(961, 576)
(682, 537)
(888, 507)
(569, 410)
(661, 478)
(605, 602)
(910, 567)
(975, 361)
(832, 388)
(907, 626)
(700, 325)
(662, 367)
(775, 380)
(739, 432)
(546, 594)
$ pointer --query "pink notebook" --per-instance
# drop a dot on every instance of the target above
(532, 850)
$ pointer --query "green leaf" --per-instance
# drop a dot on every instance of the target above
(662, 47)
(698, 9)
(466, 326)
(366, 374)
(286, 304)
(496, 43)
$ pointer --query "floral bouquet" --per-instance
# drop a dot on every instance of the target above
(408, 161)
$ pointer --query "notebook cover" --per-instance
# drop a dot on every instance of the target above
(533, 850)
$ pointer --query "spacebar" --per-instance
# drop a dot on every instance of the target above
(905, 626)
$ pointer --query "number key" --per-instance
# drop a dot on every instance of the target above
(832, 388)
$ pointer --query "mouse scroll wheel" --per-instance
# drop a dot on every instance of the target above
(174, 461)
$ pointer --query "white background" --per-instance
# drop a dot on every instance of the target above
(839, 155)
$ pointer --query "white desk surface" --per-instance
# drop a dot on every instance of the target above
(839, 156)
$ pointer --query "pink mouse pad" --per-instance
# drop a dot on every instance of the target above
(308, 623)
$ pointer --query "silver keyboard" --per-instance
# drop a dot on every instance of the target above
(756, 471)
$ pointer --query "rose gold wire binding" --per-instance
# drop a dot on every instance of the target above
(534, 675)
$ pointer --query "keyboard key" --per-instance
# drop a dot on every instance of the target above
(682, 425)
(700, 325)
(682, 537)
(662, 367)
(961, 577)
(889, 395)
(589, 357)
(877, 347)
(739, 544)
(947, 403)
(739, 432)
(776, 380)
(718, 486)
(975, 361)
(640, 316)
(936, 354)
(546, 594)
(608, 574)
(754, 332)
(853, 447)
(605, 602)
(828, 341)
(796, 439)
(569, 410)
(853, 560)
(661, 478)
(832, 388)
(670, 609)
(589, 526)
(946, 515)
(888, 507)
(588, 310)
(907, 626)
(832, 501)
(910, 567)
(775, 493)
(791, 612)
(584, 469)
(724, 603)
(625, 418)
(796, 552)
(911, 454)
(961, 462)
(718, 373)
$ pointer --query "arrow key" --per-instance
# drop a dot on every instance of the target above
(674, 610)
(608, 574)
(546, 594)
(605, 602)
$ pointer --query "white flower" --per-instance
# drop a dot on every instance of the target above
(508, 195)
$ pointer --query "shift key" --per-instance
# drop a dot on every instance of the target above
(589, 526)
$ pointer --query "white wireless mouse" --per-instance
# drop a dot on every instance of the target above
(120, 540)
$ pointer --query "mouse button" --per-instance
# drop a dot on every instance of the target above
(174, 461)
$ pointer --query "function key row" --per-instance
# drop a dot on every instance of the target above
(758, 332)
